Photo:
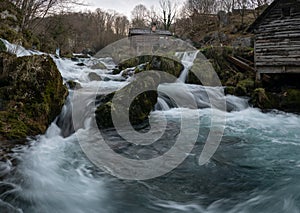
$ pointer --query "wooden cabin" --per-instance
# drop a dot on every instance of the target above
(146, 39)
(277, 38)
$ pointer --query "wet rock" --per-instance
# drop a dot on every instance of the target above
(264, 100)
(89, 51)
(75, 59)
(116, 71)
(99, 65)
(140, 107)
(287, 100)
(154, 63)
(94, 77)
(80, 64)
(74, 85)
(290, 100)
(32, 94)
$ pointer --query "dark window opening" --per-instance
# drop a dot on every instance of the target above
(286, 12)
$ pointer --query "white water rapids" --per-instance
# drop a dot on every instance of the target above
(256, 168)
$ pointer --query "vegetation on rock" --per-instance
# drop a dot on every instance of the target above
(140, 107)
(31, 93)
(153, 63)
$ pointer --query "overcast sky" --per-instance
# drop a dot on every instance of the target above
(122, 6)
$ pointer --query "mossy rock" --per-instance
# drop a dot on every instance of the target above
(227, 72)
(264, 100)
(99, 65)
(291, 100)
(140, 107)
(74, 85)
(229, 90)
(287, 100)
(32, 93)
(245, 87)
(159, 63)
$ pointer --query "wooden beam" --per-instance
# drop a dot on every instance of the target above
(240, 64)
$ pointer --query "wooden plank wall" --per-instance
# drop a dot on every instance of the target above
(277, 43)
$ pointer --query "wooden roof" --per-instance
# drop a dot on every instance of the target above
(143, 31)
(263, 16)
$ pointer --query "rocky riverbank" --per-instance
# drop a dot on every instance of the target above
(281, 94)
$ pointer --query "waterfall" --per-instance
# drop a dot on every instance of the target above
(19, 50)
(187, 59)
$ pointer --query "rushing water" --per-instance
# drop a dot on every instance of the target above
(255, 169)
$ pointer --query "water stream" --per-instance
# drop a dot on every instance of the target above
(255, 169)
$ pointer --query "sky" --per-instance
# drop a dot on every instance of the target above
(122, 6)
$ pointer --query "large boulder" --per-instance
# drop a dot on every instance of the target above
(140, 106)
(287, 100)
(160, 63)
(31, 95)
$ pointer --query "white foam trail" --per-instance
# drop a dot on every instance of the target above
(19, 50)
(187, 59)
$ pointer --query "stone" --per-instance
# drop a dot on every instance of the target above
(243, 42)
(99, 65)
(74, 85)
(140, 107)
(94, 76)
(154, 63)
(32, 95)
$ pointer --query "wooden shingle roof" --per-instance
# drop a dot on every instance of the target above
(143, 31)
(263, 16)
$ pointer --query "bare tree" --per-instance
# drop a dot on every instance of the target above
(257, 5)
(242, 6)
(169, 11)
(121, 25)
(202, 6)
(39, 9)
(139, 15)
(153, 17)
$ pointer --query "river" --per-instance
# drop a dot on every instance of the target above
(256, 167)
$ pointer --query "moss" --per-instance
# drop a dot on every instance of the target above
(229, 90)
(140, 107)
(12, 126)
(34, 94)
(264, 100)
(291, 100)
(154, 63)
(245, 87)
(9, 34)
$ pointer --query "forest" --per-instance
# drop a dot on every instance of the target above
(57, 24)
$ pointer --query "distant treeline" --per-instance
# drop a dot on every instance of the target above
(56, 25)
